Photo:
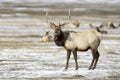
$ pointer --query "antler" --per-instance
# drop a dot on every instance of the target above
(50, 23)
(69, 17)
(47, 16)
(53, 24)
(65, 23)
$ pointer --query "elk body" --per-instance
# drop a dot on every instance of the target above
(75, 41)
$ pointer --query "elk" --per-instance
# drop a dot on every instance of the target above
(98, 29)
(77, 41)
(76, 23)
(109, 25)
(46, 37)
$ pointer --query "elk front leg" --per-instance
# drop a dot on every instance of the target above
(68, 57)
(75, 57)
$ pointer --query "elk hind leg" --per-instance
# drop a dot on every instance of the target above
(93, 59)
(90, 67)
(75, 58)
(96, 55)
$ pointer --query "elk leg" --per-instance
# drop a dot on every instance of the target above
(68, 57)
(93, 59)
(96, 59)
(91, 63)
(75, 58)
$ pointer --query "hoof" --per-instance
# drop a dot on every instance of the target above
(89, 68)
(76, 68)
(66, 68)
(93, 68)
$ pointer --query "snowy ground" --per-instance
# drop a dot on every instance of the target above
(24, 57)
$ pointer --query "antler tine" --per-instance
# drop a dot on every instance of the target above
(59, 24)
(52, 23)
(69, 17)
(46, 16)
(65, 23)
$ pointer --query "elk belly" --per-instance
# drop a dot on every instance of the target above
(82, 45)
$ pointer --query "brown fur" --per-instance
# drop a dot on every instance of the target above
(74, 41)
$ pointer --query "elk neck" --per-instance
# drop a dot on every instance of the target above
(61, 39)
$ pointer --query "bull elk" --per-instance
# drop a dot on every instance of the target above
(77, 41)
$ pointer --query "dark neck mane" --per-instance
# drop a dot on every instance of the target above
(62, 38)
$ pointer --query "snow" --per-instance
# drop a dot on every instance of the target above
(25, 63)
(47, 60)
(23, 56)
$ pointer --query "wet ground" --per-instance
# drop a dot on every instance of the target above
(24, 57)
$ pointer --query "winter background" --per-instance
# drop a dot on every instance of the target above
(24, 57)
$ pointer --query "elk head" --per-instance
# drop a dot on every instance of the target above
(57, 28)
